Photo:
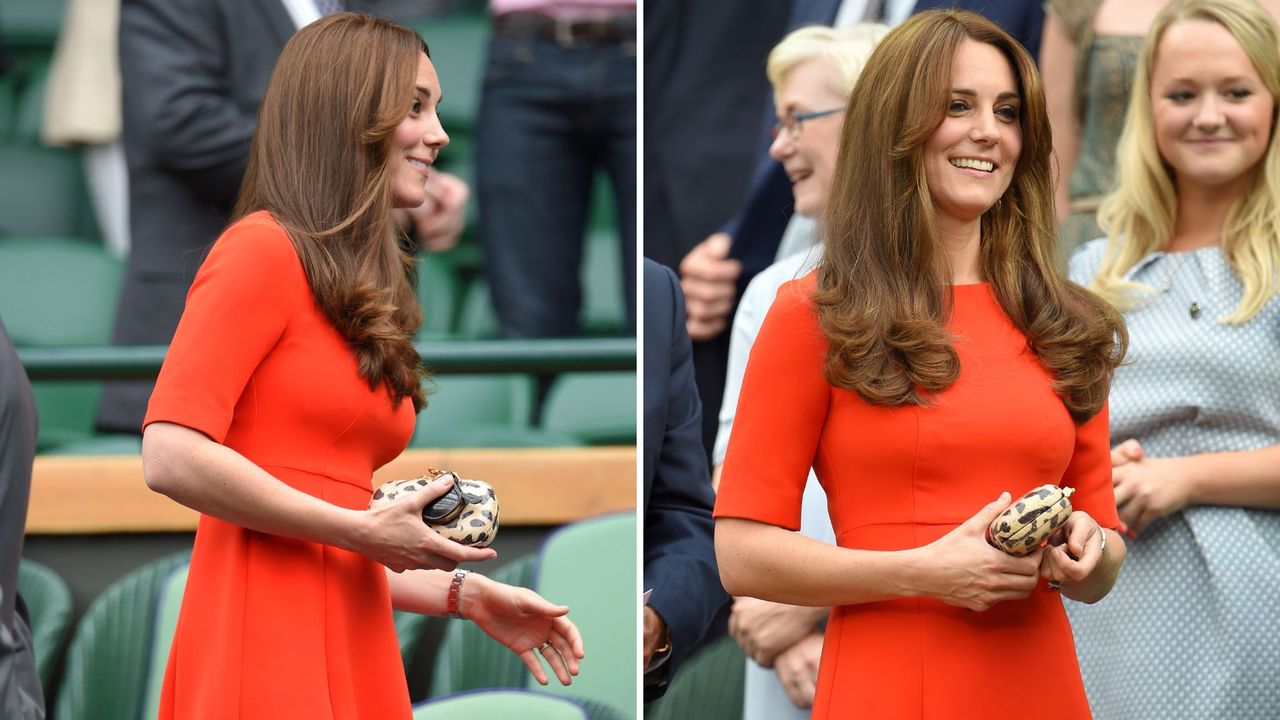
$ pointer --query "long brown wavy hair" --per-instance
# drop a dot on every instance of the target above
(321, 163)
(884, 285)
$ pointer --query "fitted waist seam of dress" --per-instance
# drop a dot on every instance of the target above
(365, 486)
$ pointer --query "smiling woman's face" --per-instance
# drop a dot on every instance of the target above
(810, 158)
(1212, 111)
(970, 158)
(417, 140)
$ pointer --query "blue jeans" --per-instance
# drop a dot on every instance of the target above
(550, 119)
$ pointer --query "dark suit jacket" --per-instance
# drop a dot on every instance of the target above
(679, 558)
(704, 85)
(193, 73)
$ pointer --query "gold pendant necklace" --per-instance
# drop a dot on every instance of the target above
(1194, 309)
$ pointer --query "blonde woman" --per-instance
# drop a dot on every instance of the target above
(1191, 258)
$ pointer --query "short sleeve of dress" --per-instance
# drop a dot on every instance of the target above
(237, 309)
(781, 411)
(1090, 471)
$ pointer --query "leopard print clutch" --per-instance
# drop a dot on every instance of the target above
(466, 514)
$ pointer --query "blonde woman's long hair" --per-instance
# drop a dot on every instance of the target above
(1139, 215)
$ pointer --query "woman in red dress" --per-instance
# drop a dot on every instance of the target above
(291, 378)
(934, 365)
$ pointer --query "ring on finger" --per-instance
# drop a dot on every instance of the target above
(1055, 584)
(543, 647)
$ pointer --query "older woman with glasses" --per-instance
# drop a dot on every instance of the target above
(812, 71)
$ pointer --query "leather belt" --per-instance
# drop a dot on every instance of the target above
(568, 32)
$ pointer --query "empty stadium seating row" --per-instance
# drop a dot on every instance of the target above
(114, 661)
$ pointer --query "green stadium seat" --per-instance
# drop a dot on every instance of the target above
(57, 291)
(48, 600)
(459, 46)
(603, 308)
(409, 626)
(590, 565)
(60, 292)
(110, 659)
(467, 659)
(439, 294)
(709, 686)
(27, 24)
(74, 444)
(29, 112)
(598, 407)
(503, 399)
(524, 704)
(43, 193)
(604, 215)
(483, 411)
(478, 319)
(8, 105)
(168, 602)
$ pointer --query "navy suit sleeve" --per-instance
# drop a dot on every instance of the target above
(174, 62)
(679, 555)
(758, 227)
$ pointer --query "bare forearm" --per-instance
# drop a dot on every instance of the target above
(426, 592)
(1249, 478)
(216, 480)
(421, 591)
(774, 564)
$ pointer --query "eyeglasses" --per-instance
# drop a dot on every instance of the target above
(794, 123)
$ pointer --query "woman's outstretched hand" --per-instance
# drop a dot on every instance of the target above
(964, 570)
(397, 537)
(526, 624)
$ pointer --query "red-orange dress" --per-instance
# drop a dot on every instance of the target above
(272, 627)
(902, 477)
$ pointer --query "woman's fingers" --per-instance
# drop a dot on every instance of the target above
(564, 650)
(566, 628)
(1126, 452)
(551, 650)
(530, 658)
(559, 654)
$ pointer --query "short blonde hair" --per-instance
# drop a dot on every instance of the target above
(1139, 216)
(845, 50)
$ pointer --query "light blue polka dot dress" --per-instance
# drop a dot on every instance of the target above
(1192, 629)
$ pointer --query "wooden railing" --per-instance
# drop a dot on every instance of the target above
(535, 486)
(106, 494)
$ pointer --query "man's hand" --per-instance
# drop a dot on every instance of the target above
(436, 225)
(655, 634)
(710, 283)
